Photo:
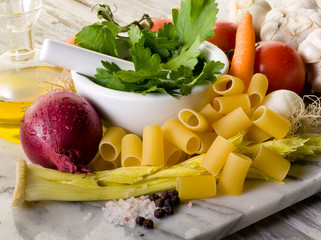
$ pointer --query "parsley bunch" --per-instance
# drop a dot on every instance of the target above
(165, 62)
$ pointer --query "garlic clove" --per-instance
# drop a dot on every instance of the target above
(310, 48)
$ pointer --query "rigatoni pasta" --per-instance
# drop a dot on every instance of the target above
(102, 165)
(153, 146)
(257, 135)
(192, 187)
(193, 120)
(271, 163)
(232, 123)
(257, 89)
(110, 145)
(210, 114)
(271, 122)
(217, 154)
(233, 174)
(131, 150)
(172, 154)
(227, 104)
(228, 85)
(179, 135)
(207, 138)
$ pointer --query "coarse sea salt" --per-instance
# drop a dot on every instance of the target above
(124, 212)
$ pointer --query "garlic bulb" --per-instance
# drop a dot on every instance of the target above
(291, 25)
(306, 4)
(258, 9)
(310, 51)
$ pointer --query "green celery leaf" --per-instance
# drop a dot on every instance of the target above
(208, 73)
(195, 18)
(143, 59)
(109, 80)
(95, 37)
(135, 35)
(112, 67)
(187, 58)
(161, 45)
(168, 31)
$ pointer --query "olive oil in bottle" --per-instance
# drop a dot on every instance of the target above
(23, 77)
(18, 89)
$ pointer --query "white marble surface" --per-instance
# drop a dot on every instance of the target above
(212, 218)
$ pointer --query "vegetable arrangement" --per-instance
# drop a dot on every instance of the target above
(295, 23)
(178, 43)
(166, 62)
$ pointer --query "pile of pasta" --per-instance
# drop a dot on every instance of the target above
(231, 110)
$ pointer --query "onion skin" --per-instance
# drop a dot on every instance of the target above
(61, 130)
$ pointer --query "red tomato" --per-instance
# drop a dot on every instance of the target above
(224, 38)
(281, 64)
(159, 23)
(71, 40)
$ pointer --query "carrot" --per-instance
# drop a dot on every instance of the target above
(71, 40)
(242, 64)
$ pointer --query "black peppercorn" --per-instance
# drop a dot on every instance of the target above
(159, 213)
(172, 193)
(140, 220)
(153, 197)
(176, 200)
(159, 203)
(169, 210)
(164, 195)
(148, 223)
(168, 203)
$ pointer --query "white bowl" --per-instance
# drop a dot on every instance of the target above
(134, 111)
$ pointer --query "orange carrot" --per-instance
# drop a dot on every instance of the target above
(242, 65)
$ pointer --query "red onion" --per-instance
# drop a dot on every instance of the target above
(61, 130)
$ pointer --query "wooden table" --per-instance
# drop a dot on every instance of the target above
(62, 18)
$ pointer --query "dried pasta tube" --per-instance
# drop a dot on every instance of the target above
(192, 187)
(179, 135)
(131, 150)
(172, 154)
(257, 135)
(217, 154)
(271, 122)
(233, 174)
(227, 104)
(257, 89)
(207, 138)
(210, 114)
(232, 123)
(153, 146)
(228, 85)
(110, 145)
(193, 120)
(183, 157)
(102, 165)
(271, 163)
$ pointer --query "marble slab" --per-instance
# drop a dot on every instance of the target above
(211, 218)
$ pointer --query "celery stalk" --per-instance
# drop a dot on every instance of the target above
(35, 183)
